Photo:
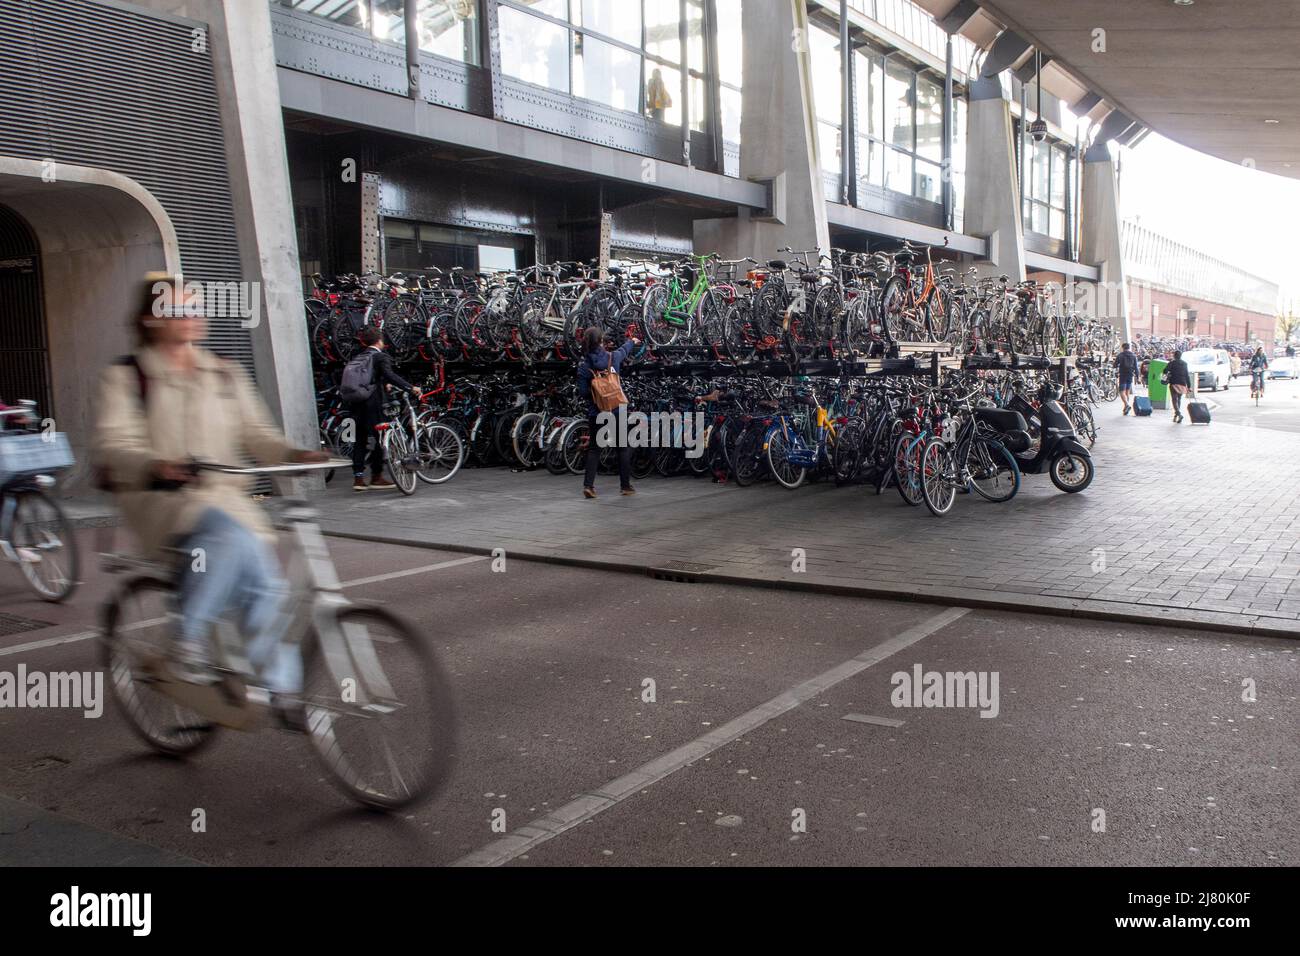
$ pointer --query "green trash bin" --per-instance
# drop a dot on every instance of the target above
(1157, 391)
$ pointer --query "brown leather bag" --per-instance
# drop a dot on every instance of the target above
(606, 388)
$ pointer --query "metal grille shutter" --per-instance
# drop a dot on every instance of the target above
(90, 84)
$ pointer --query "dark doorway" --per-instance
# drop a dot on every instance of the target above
(24, 353)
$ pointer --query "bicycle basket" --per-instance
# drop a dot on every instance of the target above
(31, 454)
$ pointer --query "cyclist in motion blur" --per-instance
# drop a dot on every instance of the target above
(161, 408)
(1258, 366)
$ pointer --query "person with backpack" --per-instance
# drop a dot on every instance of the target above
(160, 409)
(362, 390)
(599, 384)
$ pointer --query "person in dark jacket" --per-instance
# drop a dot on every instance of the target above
(598, 359)
(1179, 380)
(1127, 366)
(366, 415)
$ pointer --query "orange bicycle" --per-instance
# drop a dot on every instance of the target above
(914, 307)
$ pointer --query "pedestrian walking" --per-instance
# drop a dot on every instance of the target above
(1179, 380)
(1127, 366)
(365, 378)
(598, 383)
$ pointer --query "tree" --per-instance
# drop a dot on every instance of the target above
(1288, 325)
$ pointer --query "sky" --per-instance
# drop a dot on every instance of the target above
(1248, 218)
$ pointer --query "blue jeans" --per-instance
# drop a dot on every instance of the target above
(240, 579)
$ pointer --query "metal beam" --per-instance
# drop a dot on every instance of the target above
(1007, 48)
(958, 17)
(864, 220)
(372, 109)
(1080, 270)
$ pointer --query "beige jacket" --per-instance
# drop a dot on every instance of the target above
(214, 414)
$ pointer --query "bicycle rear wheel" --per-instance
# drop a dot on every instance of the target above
(138, 632)
(994, 472)
(46, 548)
(379, 710)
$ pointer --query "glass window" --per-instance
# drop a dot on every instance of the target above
(824, 50)
(552, 8)
(618, 19)
(871, 166)
(1040, 170)
(389, 23)
(662, 37)
(898, 171)
(828, 144)
(1056, 224)
(1058, 178)
(694, 34)
(606, 73)
(929, 184)
(898, 106)
(698, 103)
(450, 28)
(868, 75)
(731, 115)
(350, 13)
(929, 119)
(534, 50)
(730, 42)
(1038, 218)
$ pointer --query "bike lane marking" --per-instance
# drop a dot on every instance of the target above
(358, 582)
(611, 794)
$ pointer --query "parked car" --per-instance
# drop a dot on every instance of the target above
(1282, 368)
(1212, 368)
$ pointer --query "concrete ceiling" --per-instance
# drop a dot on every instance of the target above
(1206, 75)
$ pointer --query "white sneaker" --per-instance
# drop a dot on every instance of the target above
(191, 665)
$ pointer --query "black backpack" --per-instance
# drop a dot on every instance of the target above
(358, 381)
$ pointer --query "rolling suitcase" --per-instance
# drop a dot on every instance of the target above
(1141, 406)
(1199, 413)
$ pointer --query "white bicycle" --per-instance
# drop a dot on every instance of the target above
(377, 704)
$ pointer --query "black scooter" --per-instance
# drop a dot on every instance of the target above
(1059, 451)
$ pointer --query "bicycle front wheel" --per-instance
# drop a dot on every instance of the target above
(937, 487)
(45, 546)
(441, 453)
(400, 460)
(379, 710)
(779, 446)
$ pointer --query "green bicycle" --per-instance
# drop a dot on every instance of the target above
(681, 303)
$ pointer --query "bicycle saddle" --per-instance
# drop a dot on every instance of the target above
(778, 264)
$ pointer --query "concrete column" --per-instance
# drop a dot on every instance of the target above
(778, 132)
(243, 58)
(992, 188)
(1100, 238)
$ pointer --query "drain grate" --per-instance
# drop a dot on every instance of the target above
(13, 624)
(683, 572)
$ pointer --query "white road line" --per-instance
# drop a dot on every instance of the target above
(89, 635)
(74, 638)
(589, 804)
(868, 719)
(403, 574)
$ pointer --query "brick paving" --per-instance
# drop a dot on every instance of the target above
(1197, 525)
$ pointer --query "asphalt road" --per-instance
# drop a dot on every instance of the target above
(1278, 410)
(744, 756)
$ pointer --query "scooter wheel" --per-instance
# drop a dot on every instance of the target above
(1071, 472)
